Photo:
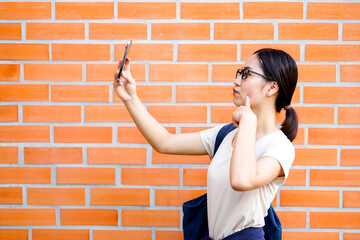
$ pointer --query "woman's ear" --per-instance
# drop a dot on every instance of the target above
(273, 88)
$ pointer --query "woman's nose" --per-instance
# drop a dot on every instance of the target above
(237, 81)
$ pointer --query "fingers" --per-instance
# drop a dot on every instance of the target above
(247, 101)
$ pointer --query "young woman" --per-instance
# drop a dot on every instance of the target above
(253, 160)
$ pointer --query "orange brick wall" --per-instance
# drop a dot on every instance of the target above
(74, 166)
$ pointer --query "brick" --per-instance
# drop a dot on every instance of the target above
(351, 31)
(82, 134)
(203, 93)
(350, 73)
(351, 236)
(273, 10)
(85, 175)
(335, 220)
(297, 177)
(102, 234)
(351, 199)
(52, 155)
(56, 196)
(334, 177)
(158, 158)
(94, 217)
(24, 51)
(25, 175)
(80, 52)
(11, 195)
(80, 93)
(195, 177)
(180, 31)
(24, 133)
(334, 136)
(105, 72)
(27, 217)
(309, 198)
(10, 31)
(9, 113)
(117, 31)
(175, 197)
(331, 94)
(316, 73)
(324, 115)
(292, 219)
(9, 72)
(146, 52)
(133, 135)
(179, 72)
(308, 31)
(296, 95)
(120, 196)
(116, 155)
(350, 157)
(25, 10)
(315, 156)
(332, 52)
(222, 114)
(150, 218)
(14, 234)
(247, 50)
(169, 234)
(24, 92)
(52, 72)
(55, 31)
(84, 10)
(224, 72)
(59, 234)
(106, 113)
(349, 115)
(51, 113)
(9, 154)
(207, 52)
(150, 176)
(152, 93)
(147, 10)
(327, 10)
(310, 235)
(221, 10)
(243, 31)
(178, 114)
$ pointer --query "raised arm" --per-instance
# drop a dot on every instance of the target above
(158, 137)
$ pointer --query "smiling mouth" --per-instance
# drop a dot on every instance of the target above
(234, 91)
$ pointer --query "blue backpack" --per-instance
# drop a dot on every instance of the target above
(195, 222)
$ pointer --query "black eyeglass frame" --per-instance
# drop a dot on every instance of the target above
(240, 72)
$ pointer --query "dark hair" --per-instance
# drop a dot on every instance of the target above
(281, 67)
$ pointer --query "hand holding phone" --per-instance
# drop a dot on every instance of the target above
(127, 49)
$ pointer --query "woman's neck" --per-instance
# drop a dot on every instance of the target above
(266, 121)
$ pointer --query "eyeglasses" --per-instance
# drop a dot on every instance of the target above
(244, 73)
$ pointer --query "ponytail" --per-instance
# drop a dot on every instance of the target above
(290, 124)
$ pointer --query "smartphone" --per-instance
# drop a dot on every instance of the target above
(127, 49)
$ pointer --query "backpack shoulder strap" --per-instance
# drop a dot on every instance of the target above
(222, 134)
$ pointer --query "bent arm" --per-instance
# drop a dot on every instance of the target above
(247, 173)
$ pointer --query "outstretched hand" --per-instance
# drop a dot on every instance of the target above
(244, 114)
(126, 87)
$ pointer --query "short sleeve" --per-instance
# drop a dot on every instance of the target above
(284, 152)
(208, 138)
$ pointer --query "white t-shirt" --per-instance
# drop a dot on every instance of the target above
(230, 211)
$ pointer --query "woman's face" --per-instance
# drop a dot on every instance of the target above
(253, 86)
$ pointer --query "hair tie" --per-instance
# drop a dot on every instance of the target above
(287, 107)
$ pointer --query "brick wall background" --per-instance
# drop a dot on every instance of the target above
(74, 166)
